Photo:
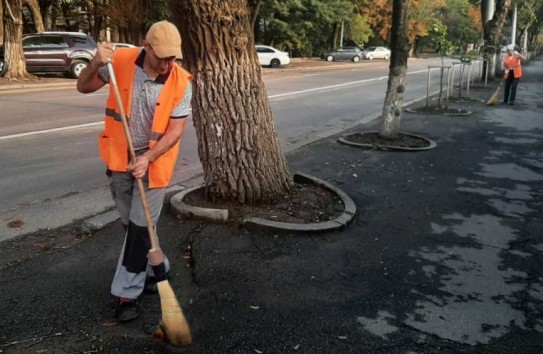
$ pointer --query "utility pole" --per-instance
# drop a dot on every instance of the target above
(489, 10)
(341, 35)
(514, 26)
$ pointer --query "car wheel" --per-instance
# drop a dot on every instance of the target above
(77, 67)
(356, 59)
(386, 57)
(370, 57)
(3, 67)
(330, 58)
(275, 63)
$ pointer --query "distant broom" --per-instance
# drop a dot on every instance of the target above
(493, 100)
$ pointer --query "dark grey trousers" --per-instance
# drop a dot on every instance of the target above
(510, 90)
(132, 268)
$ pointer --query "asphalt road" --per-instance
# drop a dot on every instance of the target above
(48, 136)
(444, 255)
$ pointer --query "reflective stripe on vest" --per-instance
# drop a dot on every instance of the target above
(112, 141)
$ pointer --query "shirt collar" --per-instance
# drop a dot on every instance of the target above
(161, 78)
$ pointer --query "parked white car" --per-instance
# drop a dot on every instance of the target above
(371, 53)
(269, 56)
(122, 45)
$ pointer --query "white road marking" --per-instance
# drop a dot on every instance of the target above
(72, 127)
(325, 87)
(20, 135)
(342, 85)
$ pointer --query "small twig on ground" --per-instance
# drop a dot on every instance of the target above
(30, 340)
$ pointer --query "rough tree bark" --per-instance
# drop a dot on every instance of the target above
(2, 21)
(46, 7)
(34, 7)
(13, 38)
(492, 31)
(237, 140)
(392, 107)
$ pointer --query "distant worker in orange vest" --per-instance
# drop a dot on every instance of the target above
(512, 73)
(156, 95)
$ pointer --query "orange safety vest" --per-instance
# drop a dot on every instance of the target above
(112, 141)
(512, 63)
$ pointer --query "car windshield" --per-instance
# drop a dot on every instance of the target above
(370, 49)
(80, 41)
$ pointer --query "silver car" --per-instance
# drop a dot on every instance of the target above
(343, 53)
(371, 53)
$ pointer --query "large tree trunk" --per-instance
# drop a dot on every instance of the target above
(34, 7)
(13, 38)
(2, 21)
(492, 31)
(237, 140)
(46, 9)
(392, 107)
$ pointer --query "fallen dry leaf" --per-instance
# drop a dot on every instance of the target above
(16, 223)
(342, 337)
(43, 246)
(109, 324)
(255, 307)
(258, 351)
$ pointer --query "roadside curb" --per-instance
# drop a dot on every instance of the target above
(99, 221)
(346, 141)
(336, 224)
(221, 215)
(28, 86)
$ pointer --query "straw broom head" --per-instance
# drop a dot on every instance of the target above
(173, 321)
(493, 100)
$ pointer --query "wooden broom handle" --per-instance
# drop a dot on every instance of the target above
(150, 224)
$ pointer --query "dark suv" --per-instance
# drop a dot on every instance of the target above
(64, 52)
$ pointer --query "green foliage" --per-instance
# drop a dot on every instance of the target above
(303, 27)
(439, 40)
(359, 30)
(461, 29)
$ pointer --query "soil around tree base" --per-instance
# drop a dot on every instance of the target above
(446, 111)
(305, 204)
(373, 140)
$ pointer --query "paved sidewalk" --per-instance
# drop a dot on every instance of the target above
(444, 256)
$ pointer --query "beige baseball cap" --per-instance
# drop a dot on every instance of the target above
(165, 40)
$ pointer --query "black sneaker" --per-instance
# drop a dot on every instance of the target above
(512, 103)
(126, 309)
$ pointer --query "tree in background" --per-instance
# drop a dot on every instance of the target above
(237, 140)
(2, 21)
(303, 27)
(422, 14)
(392, 107)
(13, 39)
(530, 19)
(492, 31)
(379, 14)
(442, 46)
(462, 28)
(359, 30)
(34, 7)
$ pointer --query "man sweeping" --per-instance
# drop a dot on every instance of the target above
(155, 94)
(512, 73)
